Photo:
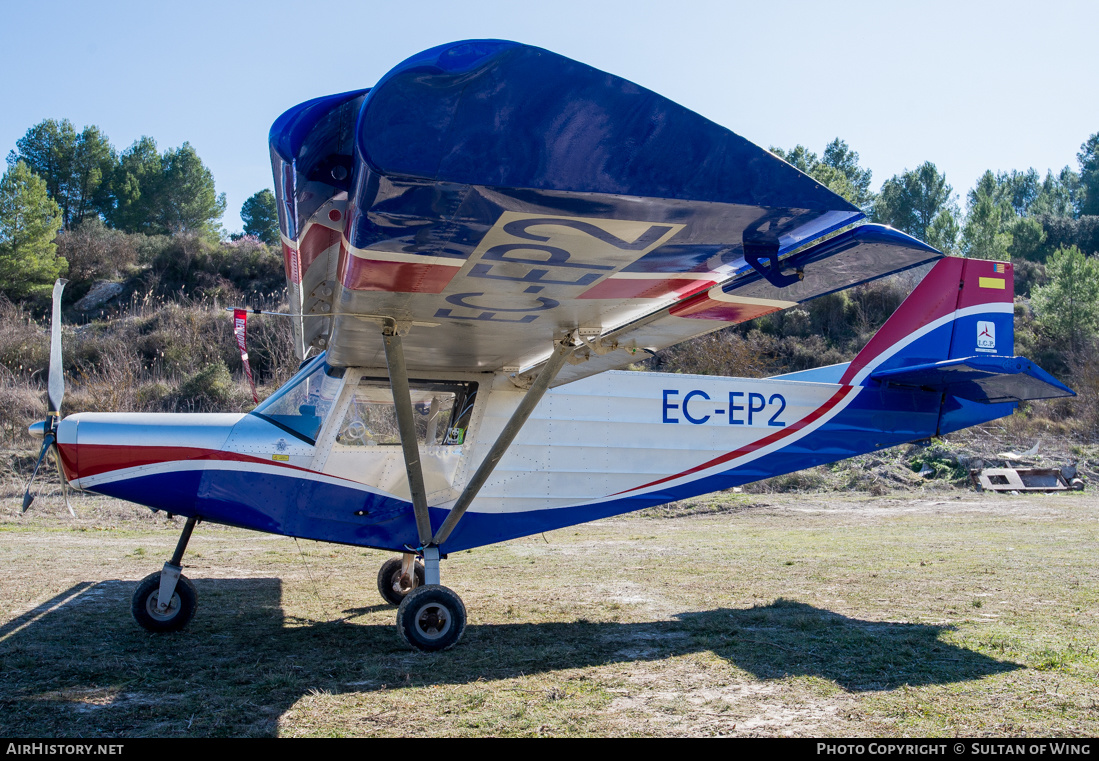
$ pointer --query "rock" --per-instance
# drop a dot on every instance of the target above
(100, 294)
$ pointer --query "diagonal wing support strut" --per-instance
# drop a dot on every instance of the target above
(406, 425)
(553, 365)
(402, 402)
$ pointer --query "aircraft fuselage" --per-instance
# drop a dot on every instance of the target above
(601, 446)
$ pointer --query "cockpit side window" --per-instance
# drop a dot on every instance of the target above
(441, 412)
(301, 406)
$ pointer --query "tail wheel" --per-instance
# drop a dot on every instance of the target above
(180, 610)
(389, 581)
(431, 618)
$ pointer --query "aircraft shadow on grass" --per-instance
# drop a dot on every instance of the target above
(78, 664)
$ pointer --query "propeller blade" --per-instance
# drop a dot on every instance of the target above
(47, 442)
(56, 389)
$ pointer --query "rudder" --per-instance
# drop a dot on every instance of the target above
(962, 308)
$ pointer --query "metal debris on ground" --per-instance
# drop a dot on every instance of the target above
(1020, 455)
(1026, 479)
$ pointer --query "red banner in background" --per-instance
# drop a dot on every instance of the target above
(240, 322)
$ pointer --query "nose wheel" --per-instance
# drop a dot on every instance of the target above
(152, 616)
(165, 601)
(431, 618)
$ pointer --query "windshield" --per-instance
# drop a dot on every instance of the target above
(301, 406)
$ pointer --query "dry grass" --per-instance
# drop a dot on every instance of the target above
(971, 615)
(152, 355)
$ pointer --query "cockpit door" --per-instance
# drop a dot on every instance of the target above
(361, 440)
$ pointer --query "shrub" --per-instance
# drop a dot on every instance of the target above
(1068, 308)
(96, 252)
(24, 344)
(211, 389)
(20, 405)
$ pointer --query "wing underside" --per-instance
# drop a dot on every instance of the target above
(490, 197)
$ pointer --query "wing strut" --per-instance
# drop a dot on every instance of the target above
(549, 371)
(406, 424)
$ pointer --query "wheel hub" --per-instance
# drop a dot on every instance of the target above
(402, 584)
(433, 621)
(153, 609)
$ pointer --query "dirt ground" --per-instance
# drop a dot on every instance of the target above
(908, 614)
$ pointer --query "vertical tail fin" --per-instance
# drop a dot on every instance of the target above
(962, 308)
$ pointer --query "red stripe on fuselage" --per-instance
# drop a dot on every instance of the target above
(835, 399)
(292, 263)
(67, 454)
(86, 460)
(318, 240)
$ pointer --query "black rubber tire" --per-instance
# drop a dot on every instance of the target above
(389, 577)
(431, 618)
(180, 611)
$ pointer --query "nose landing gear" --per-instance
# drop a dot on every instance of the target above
(165, 601)
(177, 614)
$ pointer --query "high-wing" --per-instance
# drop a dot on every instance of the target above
(490, 197)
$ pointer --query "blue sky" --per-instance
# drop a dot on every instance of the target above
(968, 85)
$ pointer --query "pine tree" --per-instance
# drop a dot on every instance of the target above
(261, 217)
(1068, 308)
(29, 221)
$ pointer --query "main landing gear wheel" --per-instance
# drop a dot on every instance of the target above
(180, 610)
(389, 581)
(431, 618)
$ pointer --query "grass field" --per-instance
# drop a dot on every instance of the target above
(927, 614)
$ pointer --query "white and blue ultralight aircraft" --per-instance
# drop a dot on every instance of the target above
(473, 247)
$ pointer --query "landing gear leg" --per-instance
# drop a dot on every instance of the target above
(166, 601)
(432, 617)
(431, 565)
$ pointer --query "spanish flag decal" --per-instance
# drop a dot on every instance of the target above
(992, 282)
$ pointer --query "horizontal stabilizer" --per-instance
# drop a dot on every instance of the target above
(979, 379)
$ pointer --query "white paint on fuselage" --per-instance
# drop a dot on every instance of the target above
(586, 442)
(595, 438)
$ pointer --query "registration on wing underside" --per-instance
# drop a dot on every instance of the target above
(528, 279)
(528, 267)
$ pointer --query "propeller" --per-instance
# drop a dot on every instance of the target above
(55, 393)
